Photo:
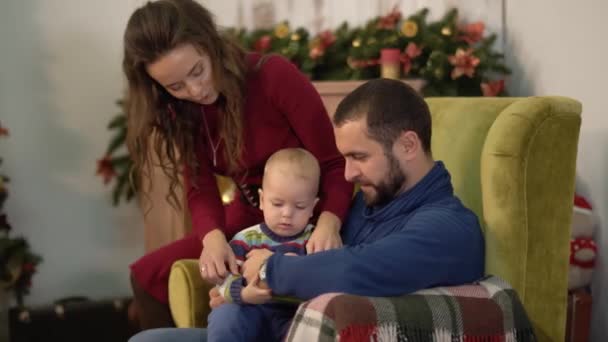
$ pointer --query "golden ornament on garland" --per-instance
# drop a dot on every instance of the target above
(446, 31)
(438, 73)
(409, 28)
(13, 266)
(281, 31)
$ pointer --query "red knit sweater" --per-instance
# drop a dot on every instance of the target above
(282, 109)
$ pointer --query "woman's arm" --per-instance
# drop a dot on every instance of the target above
(293, 94)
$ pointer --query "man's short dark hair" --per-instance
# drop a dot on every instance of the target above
(390, 107)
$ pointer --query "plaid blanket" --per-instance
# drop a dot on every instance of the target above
(488, 310)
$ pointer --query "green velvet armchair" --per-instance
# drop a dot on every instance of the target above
(513, 162)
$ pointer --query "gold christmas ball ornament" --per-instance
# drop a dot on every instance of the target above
(295, 37)
(281, 31)
(446, 31)
(438, 73)
(227, 189)
(409, 28)
(14, 267)
(357, 42)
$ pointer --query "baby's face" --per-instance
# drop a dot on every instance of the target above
(287, 202)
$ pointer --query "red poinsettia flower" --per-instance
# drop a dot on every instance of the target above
(318, 45)
(464, 63)
(262, 44)
(3, 131)
(316, 52)
(472, 33)
(411, 51)
(389, 21)
(28, 267)
(493, 88)
(105, 169)
(327, 38)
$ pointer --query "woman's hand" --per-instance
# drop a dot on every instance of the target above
(217, 258)
(326, 235)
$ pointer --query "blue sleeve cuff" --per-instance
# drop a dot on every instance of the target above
(235, 291)
(231, 288)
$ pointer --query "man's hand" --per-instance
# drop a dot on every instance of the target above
(326, 235)
(252, 265)
(215, 300)
(253, 294)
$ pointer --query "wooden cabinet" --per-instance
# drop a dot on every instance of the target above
(332, 92)
(164, 224)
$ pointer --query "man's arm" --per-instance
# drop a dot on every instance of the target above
(438, 247)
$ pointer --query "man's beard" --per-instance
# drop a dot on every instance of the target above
(389, 187)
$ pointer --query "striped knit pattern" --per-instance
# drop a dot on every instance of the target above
(260, 236)
(487, 311)
(257, 237)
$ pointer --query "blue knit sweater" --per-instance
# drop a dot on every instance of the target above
(423, 238)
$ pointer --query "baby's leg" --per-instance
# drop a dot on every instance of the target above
(279, 319)
(232, 322)
(171, 335)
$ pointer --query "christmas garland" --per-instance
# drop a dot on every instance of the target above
(17, 262)
(453, 58)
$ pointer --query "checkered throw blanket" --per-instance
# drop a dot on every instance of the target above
(488, 310)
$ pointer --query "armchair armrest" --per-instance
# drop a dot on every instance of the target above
(188, 295)
(486, 310)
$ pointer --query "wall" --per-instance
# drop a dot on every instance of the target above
(559, 48)
(59, 77)
(318, 15)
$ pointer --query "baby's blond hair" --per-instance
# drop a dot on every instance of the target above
(296, 162)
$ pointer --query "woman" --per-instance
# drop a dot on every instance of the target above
(226, 112)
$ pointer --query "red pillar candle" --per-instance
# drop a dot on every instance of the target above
(390, 65)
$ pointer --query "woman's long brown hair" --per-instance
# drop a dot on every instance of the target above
(161, 124)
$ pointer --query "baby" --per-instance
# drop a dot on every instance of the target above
(287, 199)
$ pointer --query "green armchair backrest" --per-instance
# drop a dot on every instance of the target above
(513, 161)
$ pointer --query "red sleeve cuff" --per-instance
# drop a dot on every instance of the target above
(337, 195)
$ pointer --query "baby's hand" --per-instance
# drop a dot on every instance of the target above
(252, 265)
(253, 294)
(215, 300)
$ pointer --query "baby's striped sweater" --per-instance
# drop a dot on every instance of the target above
(257, 237)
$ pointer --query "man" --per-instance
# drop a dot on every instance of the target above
(405, 231)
